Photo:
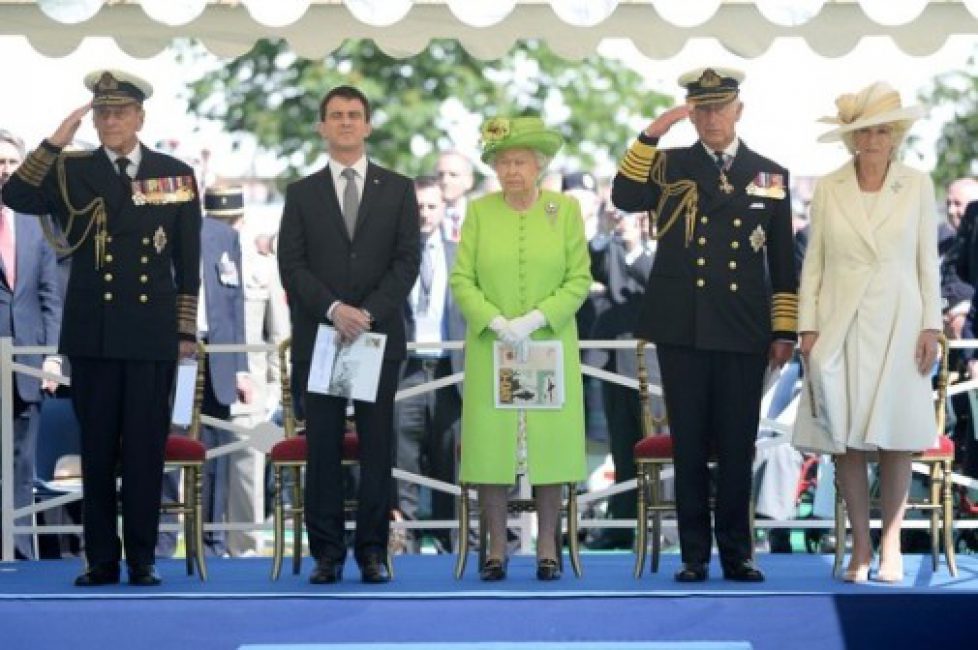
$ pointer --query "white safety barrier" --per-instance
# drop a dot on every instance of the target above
(265, 434)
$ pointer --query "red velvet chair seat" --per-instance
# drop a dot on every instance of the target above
(291, 450)
(944, 447)
(294, 450)
(659, 446)
(181, 449)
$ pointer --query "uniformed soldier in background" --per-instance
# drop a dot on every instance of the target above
(721, 305)
(132, 219)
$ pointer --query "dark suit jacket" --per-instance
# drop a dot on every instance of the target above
(220, 255)
(31, 313)
(716, 292)
(128, 308)
(453, 324)
(319, 264)
(625, 284)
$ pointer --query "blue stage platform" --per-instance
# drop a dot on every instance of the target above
(800, 606)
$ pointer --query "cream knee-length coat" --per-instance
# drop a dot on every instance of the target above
(508, 264)
(869, 285)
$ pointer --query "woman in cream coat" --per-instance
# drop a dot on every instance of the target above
(869, 318)
(522, 272)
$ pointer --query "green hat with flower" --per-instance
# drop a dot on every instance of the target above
(502, 133)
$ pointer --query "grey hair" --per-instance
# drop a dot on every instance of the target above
(13, 140)
(899, 134)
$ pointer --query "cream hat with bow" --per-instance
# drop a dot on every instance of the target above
(876, 104)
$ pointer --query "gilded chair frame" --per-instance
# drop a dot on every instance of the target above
(190, 506)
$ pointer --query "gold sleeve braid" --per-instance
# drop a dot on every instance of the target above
(644, 163)
(784, 312)
(35, 167)
(187, 315)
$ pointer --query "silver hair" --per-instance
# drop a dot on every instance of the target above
(899, 134)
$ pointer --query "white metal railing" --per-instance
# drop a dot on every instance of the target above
(271, 432)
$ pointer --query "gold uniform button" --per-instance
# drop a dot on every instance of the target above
(107, 296)
(108, 240)
(737, 223)
(704, 219)
(144, 279)
(108, 258)
(733, 265)
(735, 245)
(144, 259)
(701, 262)
(108, 277)
(733, 286)
(701, 241)
(143, 297)
(145, 241)
(701, 282)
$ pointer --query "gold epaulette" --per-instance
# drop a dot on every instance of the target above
(784, 312)
(187, 314)
(36, 166)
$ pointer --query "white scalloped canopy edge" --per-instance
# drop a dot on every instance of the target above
(229, 31)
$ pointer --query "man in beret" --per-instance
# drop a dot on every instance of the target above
(721, 305)
(131, 216)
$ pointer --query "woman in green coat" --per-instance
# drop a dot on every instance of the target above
(521, 273)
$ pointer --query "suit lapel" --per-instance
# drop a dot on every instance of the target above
(372, 186)
(327, 197)
(698, 166)
(854, 211)
(894, 183)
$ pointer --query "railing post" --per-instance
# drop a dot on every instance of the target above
(6, 449)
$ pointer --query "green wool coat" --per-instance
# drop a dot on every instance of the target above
(508, 264)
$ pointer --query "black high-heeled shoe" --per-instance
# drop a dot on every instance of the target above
(493, 570)
(548, 569)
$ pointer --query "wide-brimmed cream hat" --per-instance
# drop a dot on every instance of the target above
(876, 104)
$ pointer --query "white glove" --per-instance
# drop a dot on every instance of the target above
(521, 328)
(499, 327)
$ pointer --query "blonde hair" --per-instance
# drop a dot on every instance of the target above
(898, 133)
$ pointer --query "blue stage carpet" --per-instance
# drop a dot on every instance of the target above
(800, 606)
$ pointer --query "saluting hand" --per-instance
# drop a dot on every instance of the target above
(661, 125)
(66, 132)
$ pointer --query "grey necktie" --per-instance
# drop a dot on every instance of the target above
(351, 200)
(427, 276)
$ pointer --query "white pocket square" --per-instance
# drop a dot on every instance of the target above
(757, 206)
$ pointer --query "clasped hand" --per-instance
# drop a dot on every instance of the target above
(518, 330)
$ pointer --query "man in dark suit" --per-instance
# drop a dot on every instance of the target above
(30, 314)
(133, 218)
(621, 262)
(428, 424)
(220, 321)
(349, 252)
(721, 305)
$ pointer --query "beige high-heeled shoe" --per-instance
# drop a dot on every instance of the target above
(889, 575)
(857, 575)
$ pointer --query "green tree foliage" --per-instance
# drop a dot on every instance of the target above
(957, 146)
(274, 95)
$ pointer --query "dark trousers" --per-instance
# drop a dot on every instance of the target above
(26, 424)
(624, 414)
(713, 399)
(216, 475)
(123, 408)
(427, 436)
(325, 421)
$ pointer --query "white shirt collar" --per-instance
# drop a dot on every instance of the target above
(729, 153)
(360, 167)
(135, 156)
